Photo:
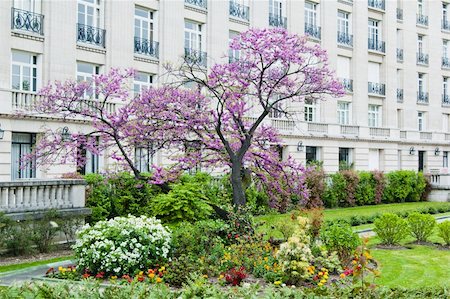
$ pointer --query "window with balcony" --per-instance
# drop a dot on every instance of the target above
(312, 154)
(399, 45)
(193, 43)
(374, 42)
(343, 111)
(421, 19)
(85, 72)
(92, 160)
(21, 145)
(277, 110)
(233, 55)
(89, 23)
(344, 36)
(142, 82)
(422, 94)
(399, 11)
(198, 3)
(144, 32)
(345, 158)
(420, 121)
(24, 71)
(143, 158)
(374, 119)
(445, 91)
(26, 16)
(312, 27)
(343, 72)
(399, 85)
(240, 9)
(445, 55)
(422, 57)
(445, 23)
(378, 4)
(277, 13)
(311, 110)
(374, 85)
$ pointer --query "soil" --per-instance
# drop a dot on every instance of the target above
(392, 247)
(12, 260)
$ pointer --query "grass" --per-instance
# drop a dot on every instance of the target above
(14, 267)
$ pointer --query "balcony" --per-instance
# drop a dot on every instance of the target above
(345, 39)
(421, 20)
(422, 58)
(399, 14)
(376, 45)
(445, 25)
(23, 100)
(192, 56)
(277, 21)
(403, 134)
(377, 4)
(313, 31)
(379, 132)
(422, 97)
(27, 21)
(198, 3)
(399, 55)
(283, 125)
(347, 84)
(445, 100)
(349, 130)
(239, 11)
(376, 88)
(426, 135)
(146, 47)
(399, 95)
(445, 62)
(91, 35)
(317, 127)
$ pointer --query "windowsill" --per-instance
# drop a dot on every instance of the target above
(196, 8)
(27, 34)
(376, 52)
(90, 47)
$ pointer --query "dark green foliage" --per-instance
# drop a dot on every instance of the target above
(339, 237)
(404, 185)
(97, 197)
(336, 192)
(44, 231)
(365, 191)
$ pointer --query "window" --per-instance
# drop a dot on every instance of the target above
(91, 161)
(374, 72)
(345, 158)
(420, 7)
(374, 116)
(445, 86)
(311, 14)
(374, 34)
(29, 5)
(143, 157)
(21, 145)
(142, 81)
(421, 83)
(233, 55)
(343, 110)
(444, 12)
(89, 12)
(445, 159)
(400, 118)
(343, 67)
(343, 22)
(421, 121)
(277, 111)
(312, 154)
(399, 159)
(445, 122)
(445, 48)
(420, 43)
(276, 8)
(24, 71)
(144, 24)
(192, 35)
(311, 111)
(85, 72)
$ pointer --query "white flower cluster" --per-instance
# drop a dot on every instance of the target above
(122, 245)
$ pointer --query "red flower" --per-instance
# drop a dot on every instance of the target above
(100, 275)
(141, 278)
(50, 270)
(86, 275)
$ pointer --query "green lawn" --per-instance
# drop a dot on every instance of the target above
(14, 267)
(418, 267)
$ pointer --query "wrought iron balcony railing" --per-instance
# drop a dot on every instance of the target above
(239, 11)
(445, 62)
(422, 97)
(445, 99)
(399, 95)
(277, 21)
(313, 31)
(422, 58)
(399, 14)
(445, 24)
(376, 45)
(378, 4)
(27, 20)
(146, 47)
(399, 54)
(199, 3)
(422, 20)
(195, 57)
(347, 84)
(343, 38)
(376, 88)
(91, 35)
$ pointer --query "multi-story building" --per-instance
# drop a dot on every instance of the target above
(391, 56)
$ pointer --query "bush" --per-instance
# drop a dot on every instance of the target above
(444, 231)
(391, 229)
(17, 237)
(315, 182)
(97, 197)
(421, 226)
(185, 202)
(122, 245)
(365, 190)
(380, 184)
(339, 237)
(44, 231)
(336, 192)
(404, 185)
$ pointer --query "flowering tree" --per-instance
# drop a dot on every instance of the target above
(274, 68)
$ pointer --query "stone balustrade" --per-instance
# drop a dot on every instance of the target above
(37, 195)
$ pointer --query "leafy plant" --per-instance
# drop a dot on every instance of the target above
(365, 190)
(315, 182)
(444, 231)
(44, 231)
(421, 226)
(340, 237)
(235, 276)
(391, 229)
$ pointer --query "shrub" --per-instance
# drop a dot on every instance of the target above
(444, 231)
(44, 231)
(336, 192)
(122, 245)
(18, 237)
(380, 183)
(235, 276)
(391, 229)
(340, 237)
(404, 185)
(185, 202)
(97, 197)
(421, 226)
(365, 190)
(315, 182)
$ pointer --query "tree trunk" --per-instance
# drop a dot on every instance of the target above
(236, 184)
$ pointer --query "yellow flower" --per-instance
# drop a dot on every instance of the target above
(151, 275)
(325, 276)
(205, 276)
(60, 268)
(320, 284)
(342, 275)
(354, 262)
(277, 283)
(158, 279)
(141, 273)
(266, 259)
(162, 268)
(320, 273)
(74, 270)
(323, 281)
(113, 277)
(221, 276)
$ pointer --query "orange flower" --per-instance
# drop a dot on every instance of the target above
(158, 280)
